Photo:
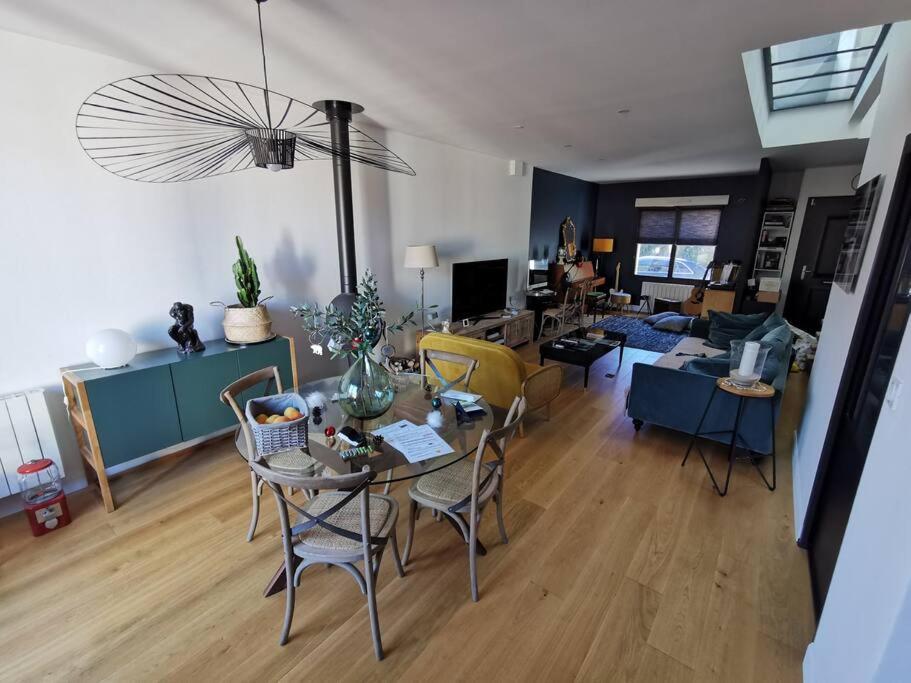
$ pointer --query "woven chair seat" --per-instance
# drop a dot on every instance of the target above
(451, 484)
(348, 518)
(294, 461)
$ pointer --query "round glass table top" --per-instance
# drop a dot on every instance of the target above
(411, 403)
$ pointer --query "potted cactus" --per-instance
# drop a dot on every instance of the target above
(247, 321)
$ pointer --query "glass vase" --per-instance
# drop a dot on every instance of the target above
(747, 361)
(365, 390)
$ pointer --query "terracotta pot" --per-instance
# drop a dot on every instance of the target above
(247, 325)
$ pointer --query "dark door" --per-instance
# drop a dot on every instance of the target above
(817, 252)
(863, 389)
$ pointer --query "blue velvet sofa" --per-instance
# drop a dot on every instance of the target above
(676, 397)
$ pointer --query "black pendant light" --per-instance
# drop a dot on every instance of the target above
(173, 127)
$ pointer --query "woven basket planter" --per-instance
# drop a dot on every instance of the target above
(282, 436)
(247, 325)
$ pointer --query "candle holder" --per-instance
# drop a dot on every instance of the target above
(747, 361)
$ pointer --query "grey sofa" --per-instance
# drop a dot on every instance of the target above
(666, 394)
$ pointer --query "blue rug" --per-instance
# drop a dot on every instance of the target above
(639, 335)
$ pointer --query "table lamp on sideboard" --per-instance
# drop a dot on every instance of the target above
(421, 256)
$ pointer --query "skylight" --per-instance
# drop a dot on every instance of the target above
(822, 69)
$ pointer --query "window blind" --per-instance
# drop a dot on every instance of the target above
(657, 227)
(699, 226)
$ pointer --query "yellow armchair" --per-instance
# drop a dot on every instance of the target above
(501, 374)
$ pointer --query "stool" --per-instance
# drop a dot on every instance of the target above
(621, 300)
(758, 391)
(593, 302)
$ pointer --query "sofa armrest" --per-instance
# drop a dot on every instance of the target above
(542, 385)
(700, 328)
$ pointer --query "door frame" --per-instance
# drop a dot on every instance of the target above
(795, 278)
(882, 282)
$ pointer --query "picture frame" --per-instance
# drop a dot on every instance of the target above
(857, 234)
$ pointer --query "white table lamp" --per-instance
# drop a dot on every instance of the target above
(421, 256)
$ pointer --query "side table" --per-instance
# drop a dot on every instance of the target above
(759, 391)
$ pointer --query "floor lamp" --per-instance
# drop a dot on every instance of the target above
(421, 256)
(602, 245)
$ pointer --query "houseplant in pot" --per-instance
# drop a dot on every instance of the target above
(247, 321)
(365, 390)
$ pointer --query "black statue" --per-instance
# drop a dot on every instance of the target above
(182, 330)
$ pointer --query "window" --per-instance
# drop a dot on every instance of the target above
(829, 68)
(685, 238)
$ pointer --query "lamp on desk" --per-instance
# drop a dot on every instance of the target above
(421, 256)
(602, 245)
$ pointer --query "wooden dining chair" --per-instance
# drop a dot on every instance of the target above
(295, 461)
(341, 528)
(560, 315)
(465, 488)
(464, 364)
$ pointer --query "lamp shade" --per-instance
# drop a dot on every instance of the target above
(603, 245)
(421, 256)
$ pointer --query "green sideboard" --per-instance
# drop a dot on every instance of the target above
(161, 400)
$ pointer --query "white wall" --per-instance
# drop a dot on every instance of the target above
(863, 614)
(829, 181)
(83, 249)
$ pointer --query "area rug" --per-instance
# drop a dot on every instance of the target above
(640, 335)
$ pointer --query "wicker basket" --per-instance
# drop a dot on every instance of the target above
(283, 436)
(247, 325)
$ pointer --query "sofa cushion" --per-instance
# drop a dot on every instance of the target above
(725, 327)
(674, 323)
(652, 319)
(690, 346)
(714, 367)
(769, 324)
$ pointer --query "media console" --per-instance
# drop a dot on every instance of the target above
(499, 328)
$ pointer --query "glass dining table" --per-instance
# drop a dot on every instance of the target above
(411, 402)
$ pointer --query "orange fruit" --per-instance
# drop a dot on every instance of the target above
(280, 418)
(261, 418)
(292, 413)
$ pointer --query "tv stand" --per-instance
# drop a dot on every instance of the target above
(511, 330)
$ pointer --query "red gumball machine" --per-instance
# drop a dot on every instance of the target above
(42, 492)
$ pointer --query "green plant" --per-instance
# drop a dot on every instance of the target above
(246, 277)
(354, 332)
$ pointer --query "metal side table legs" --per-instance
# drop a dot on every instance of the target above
(762, 391)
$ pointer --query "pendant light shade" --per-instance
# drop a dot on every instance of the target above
(163, 128)
(272, 149)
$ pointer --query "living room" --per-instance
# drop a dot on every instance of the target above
(477, 242)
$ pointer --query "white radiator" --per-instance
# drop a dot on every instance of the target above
(25, 434)
(666, 290)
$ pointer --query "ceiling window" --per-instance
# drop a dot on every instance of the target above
(822, 69)
(677, 243)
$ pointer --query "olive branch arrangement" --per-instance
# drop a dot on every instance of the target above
(356, 332)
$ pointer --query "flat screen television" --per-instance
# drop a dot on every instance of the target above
(537, 274)
(479, 288)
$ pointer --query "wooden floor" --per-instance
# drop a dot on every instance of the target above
(621, 566)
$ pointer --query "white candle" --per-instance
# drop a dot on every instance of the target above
(748, 359)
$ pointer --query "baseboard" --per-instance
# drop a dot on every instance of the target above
(797, 489)
(809, 665)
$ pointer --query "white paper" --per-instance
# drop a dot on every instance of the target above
(456, 395)
(415, 442)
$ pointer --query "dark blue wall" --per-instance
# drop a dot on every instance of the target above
(553, 198)
(618, 217)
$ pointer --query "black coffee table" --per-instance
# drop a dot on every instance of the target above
(575, 348)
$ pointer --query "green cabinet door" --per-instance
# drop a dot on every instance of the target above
(259, 356)
(198, 380)
(134, 413)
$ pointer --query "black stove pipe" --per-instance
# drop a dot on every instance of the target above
(338, 114)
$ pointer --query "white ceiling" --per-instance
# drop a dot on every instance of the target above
(466, 72)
